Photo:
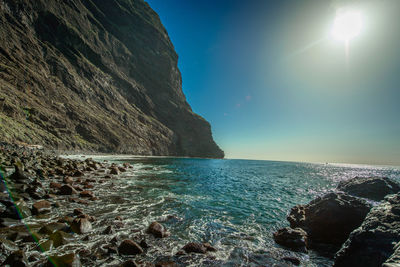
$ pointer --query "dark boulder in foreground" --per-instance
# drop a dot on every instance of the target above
(374, 241)
(375, 188)
(329, 219)
(295, 239)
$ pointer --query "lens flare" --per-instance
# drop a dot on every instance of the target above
(347, 25)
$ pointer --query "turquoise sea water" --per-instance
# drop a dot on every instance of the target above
(235, 205)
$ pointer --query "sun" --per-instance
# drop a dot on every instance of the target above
(347, 25)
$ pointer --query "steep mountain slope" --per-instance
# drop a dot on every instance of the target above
(94, 75)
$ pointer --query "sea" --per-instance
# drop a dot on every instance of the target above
(235, 205)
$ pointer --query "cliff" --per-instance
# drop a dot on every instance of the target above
(94, 75)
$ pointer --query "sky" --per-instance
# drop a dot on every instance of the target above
(276, 85)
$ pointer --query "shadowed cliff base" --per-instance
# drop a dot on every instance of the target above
(95, 76)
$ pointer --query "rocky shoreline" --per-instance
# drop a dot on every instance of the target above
(50, 216)
(357, 225)
(44, 218)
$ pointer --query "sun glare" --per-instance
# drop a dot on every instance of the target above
(347, 25)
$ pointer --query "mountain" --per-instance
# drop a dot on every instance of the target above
(95, 75)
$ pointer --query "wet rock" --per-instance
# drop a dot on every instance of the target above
(81, 226)
(45, 246)
(293, 260)
(375, 188)
(78, 212)
(121, 169)
(295, 239)
(209, 247)
(88, 217)
(129, 247)
(16, 259)
(329, 219)
(60, 238)
(67, 190)
(114, 170)
(129, 263)
(35, 192)
(195, 248)
(180, 253)
(86, 193)
(31, 237)
(78, 173)
(108, 230)
(20, 175)
(68, 260)
(111, 249)
(41, 207)
(68, 180)
(144, 244)
(373, 242)
(55, 185)
(157, 230)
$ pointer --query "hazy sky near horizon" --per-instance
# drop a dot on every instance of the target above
(275, 85)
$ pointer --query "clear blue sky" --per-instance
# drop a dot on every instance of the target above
(274, 85)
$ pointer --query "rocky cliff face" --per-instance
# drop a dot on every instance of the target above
(94, 75)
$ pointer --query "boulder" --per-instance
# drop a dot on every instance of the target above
(60, 238)
(129, 247)
(329, 219)
(20, 175)
(194, 247)
(40, 207)
(108, 230)
(81, 226)
(374, 241)
(157, 230)
(375, 188)
(67, 190)
(45, 246)
(295, 239)
(114, 170)
(86, 193)
(55, 185)
(209, 247)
